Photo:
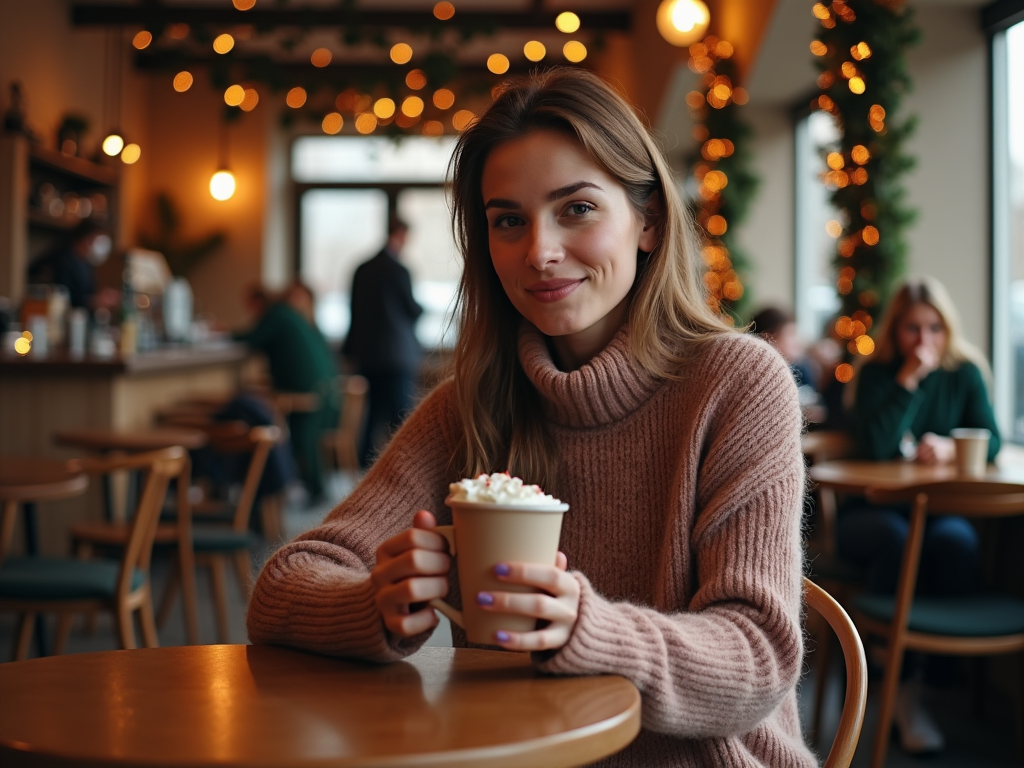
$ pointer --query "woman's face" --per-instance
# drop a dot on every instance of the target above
(921, 325)
(563, 237)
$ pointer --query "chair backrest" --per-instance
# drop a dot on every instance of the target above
(255, 441)
(160, 466)
(354, 390)
(852, 718)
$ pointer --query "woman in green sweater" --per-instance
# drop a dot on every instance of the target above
(922, 381)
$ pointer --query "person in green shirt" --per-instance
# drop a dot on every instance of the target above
(299, 360)
(922, 381)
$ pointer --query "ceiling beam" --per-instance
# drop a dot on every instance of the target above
(155, 14)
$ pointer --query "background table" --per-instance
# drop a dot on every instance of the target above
(237, 705)
(854, 476)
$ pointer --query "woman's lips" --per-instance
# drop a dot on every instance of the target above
(548, 291)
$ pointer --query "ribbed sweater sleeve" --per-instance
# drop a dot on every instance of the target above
(315, 592)
(720, 664)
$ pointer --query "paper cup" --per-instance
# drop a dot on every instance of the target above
(971, 450)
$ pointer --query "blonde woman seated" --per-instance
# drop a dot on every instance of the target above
(589, 362)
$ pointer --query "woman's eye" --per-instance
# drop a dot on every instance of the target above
(505, 222)
(580, 209)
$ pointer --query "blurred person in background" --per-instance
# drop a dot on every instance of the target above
(73, 263)
(382, 339)
(299, 361)
(778, 327)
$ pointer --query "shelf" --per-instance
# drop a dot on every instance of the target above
(76, 167)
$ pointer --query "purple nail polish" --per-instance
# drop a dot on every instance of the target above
(502, 569)
(483, 598)
(502, 636)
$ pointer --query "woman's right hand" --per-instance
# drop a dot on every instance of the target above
(918, 364)
(412, 569)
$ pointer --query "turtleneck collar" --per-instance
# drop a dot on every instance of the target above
(606, 389)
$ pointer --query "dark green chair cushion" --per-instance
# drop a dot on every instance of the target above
(52, 578)
(971, 616)
(214, 539)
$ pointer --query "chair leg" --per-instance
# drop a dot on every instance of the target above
(220, 598)
(243, 565)
(60, 642)
(270, 511)
(186, 564)
(84, 551)
(149, 638)
(125, 627)
(886, 704)
(170, 592)
(23, 637)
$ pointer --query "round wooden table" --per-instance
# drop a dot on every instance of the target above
(855, 476)
(238, 705)
(104, 440)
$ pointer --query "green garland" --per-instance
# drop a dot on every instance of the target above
(722, 176)
(860, 55)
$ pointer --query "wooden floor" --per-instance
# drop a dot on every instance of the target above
(986, 742)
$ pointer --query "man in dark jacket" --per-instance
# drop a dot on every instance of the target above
(382, 338)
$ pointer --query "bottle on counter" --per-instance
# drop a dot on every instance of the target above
(129, 317)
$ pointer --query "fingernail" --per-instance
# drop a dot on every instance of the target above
(483, 598)
(503, 637)
(502, 569)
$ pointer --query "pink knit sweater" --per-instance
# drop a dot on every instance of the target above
(683, 531)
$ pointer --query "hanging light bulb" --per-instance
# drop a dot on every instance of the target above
(113, 144)
(222, 184)
(683, 22)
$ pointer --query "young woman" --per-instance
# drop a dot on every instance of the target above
(922, 381)
(589, 362)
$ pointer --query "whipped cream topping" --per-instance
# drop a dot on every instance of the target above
(500, 488)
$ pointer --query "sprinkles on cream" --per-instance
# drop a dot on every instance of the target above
(500, 488)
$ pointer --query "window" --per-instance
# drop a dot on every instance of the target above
(1008, 229)
(815, 290)
(347, 186)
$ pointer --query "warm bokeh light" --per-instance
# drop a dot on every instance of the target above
(433, 128)
(818, 48)
(113, 144)
(142, 39)
(403, 120)
(857, 85)
(716, 180)
(321, 57)
(574, 51)
(22, 346)
(497, 63)
(849, 69)
(534, 50)
(567, 22)
(178, 31)
(366, 122)
(722, 91)
(462, 119)
(182, 81)
(401, 53)
(859, 176)
(443, 98)
(444, 11)
(332, 123)
(222, 185)
(865, 345)
(861, 51)
(877, 112)
(412, 106)
(820, 11)
(682, 22)
(416, 79)
(717, 225)
(243, 5)
(249, 100)
(835, 161)
(223, 43)
(844, 372)
(296, 97)
(869, 235)
(131, 154)
(834, 228)
(825, 102)
(234, 95)
(860, 154)
(740, 96)
(384, 108)
(825, 80)
(724, 49)
(844, 285)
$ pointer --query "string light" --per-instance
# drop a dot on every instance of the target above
(416, 80)
(567, 22)
(131, 154)
(534, 50)
(142, 39)
(321, 57)
(182, 81)
(574, 51)
(498, 63)
(444, 11)
(222, 185)
(682, 22)
(332, 123)
(443, 98)
(401, 53)
(223, 43)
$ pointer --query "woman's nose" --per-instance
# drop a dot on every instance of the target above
(544, 248)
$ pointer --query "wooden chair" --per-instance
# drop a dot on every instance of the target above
(825, 565)
(343, 442)
(852, 718)
(219, 540)
(978, 625)
(34, 585)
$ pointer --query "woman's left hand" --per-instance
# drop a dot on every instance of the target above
(557, 603)
(935, 449)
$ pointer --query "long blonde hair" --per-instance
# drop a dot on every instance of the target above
(500, 410)
(924, 290)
